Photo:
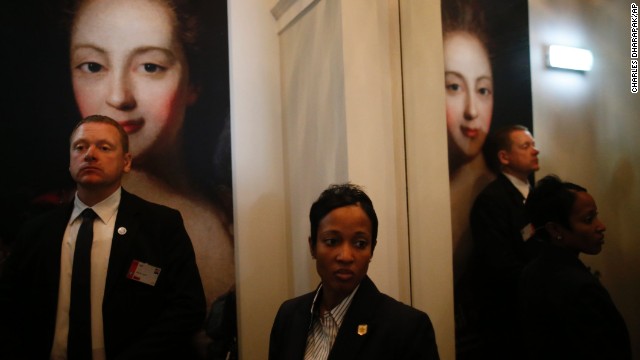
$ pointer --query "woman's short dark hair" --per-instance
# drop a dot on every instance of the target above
(337, 196)
(551, 201)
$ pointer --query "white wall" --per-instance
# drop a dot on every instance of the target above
(258, 181)
(314, 118)
(587, 127)
(343, 122)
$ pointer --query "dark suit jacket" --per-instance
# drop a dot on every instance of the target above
(497, 217)
(394, 330)
(567, 313)
(140, 321)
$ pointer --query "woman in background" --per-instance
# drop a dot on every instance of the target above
(566, 312)
(142, 63)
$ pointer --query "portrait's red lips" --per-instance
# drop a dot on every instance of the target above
(469, 132)
(132, 126)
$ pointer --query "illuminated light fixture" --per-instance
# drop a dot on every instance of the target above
(571, 58)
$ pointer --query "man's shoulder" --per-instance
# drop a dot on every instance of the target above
(131, 200)
(497, 189)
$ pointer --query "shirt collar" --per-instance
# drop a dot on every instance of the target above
(105, 209)
(337, 312)
(522, 186)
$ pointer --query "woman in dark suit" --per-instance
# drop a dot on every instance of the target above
(567, 313)
(346, 317)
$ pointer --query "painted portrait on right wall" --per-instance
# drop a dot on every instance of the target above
(487, 86)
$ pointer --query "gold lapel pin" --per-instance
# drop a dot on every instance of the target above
(362, 329)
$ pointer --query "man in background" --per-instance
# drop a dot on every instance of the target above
(502, 237)
(109, 275)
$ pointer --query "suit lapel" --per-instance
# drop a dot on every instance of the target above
(300, 326)
(512, 190)
(125, 229)
(359, 322)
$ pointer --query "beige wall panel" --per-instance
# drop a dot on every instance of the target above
(427, 167)
(259, 200)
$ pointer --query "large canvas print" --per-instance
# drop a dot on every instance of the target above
(160, 68)
(488, 86)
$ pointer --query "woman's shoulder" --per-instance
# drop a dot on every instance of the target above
(397, 311)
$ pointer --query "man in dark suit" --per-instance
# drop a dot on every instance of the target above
(346, 317)
(502, 233)
(146, 296)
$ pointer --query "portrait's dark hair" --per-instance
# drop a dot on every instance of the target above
(498, 141)
(124, 138)
(465, 16)
(551, 201)
(337, 196)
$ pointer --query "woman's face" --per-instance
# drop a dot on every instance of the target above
(343, 249)
(469, 94)
(587, 231)
(128, 63)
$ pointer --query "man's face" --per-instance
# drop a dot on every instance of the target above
(97, 159)
(343, 250)
(521, 160)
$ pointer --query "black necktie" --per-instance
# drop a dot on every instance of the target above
(79, 341)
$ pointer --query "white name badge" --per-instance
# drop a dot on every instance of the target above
(527, 232)
(143, 272)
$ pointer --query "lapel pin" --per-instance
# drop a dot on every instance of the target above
(362, 329)
(122, 230)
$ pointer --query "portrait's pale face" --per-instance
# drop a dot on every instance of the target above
(343, 250)
(469, 94)
(128, 63)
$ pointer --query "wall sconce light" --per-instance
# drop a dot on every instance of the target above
(565, 57)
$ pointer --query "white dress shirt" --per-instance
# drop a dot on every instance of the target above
(324, 328)
(103, 226)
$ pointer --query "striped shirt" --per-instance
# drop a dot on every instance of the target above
(324, 327)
